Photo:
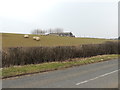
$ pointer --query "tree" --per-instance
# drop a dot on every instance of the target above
(38, 32)
(50, 31)
(58, 30)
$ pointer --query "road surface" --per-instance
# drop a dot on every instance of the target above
(97, 75)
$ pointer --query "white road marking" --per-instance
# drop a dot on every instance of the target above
(97, 77)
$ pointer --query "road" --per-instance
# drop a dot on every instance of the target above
(97, 75)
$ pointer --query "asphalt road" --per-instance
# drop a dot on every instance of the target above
(97, 75)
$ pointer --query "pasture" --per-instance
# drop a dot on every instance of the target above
(18, 40)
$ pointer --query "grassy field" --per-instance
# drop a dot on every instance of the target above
(35, 68)
(17, 40)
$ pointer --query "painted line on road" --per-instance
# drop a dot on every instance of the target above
(97, 77)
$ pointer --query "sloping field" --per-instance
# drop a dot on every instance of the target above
(18, 40)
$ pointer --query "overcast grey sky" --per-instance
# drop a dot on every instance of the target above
(87, 18)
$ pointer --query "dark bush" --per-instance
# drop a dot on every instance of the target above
(36, 55)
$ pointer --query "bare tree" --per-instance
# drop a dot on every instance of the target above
(38, 32)
(50, 31)
(58, 30)
(42, 32)
(35, 31)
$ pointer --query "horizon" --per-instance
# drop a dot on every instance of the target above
(65, 36)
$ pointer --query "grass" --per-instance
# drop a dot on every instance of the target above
(35, 68)
(17, 40)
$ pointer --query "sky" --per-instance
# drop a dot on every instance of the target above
(84, 18)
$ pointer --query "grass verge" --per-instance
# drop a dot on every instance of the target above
(36, 68)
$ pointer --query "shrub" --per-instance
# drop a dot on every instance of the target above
(36, 55)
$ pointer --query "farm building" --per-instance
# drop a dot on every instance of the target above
(69, 34)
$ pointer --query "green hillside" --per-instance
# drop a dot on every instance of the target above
(18, 40)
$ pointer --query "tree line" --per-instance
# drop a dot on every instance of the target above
(42, 31)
